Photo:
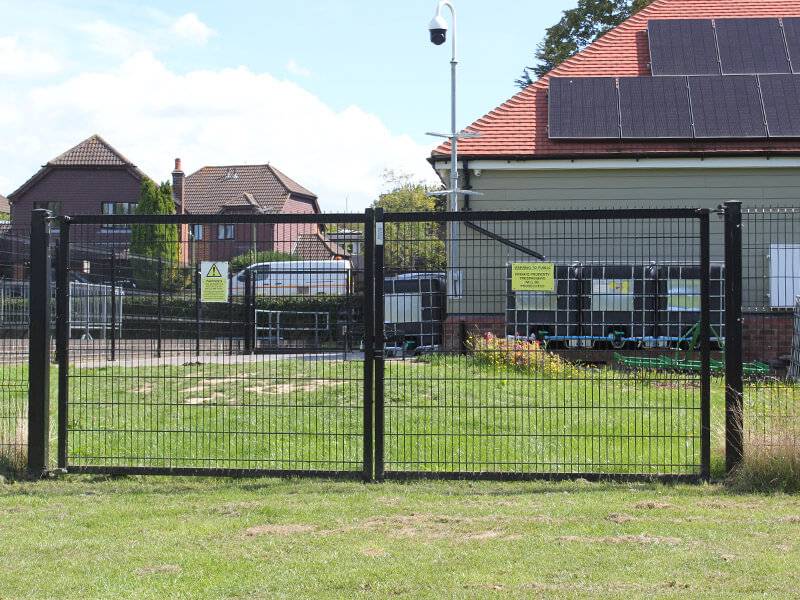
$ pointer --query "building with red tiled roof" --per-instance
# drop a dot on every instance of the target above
(243, 189)
(518, 163)
(517, 129)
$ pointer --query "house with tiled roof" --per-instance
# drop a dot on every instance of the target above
(688, 103)
(247, 189)
(88, 179)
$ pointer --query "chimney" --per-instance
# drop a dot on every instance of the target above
(177, 186)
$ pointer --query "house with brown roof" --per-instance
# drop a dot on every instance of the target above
(688, 103)
(88, 179)
(254, 190)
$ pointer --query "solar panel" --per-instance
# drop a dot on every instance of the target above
(751, 46)
(726, 107)
(683, 47)
(781, 95)
(655, 107)
(791, 30)
(583, 108)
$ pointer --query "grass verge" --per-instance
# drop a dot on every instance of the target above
(198, 538)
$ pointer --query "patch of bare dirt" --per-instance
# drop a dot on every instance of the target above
(210, 383)
(725, 505)
(643, 539)
(790, 519)
(431, 527)
(374, 552)
(159, 570)
(196, 401)
(295, 386)
(675, 385)
(620, 518)
(652, 505)
(611, 587)
(282, 530)
(235, 509)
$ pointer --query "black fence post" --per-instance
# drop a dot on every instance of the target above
(39, 345)
(379, 345)
(113, 304)
(249, 326)
(705, 346)
(369, 339)
(734, 385)
(160, 301)
(63, 327)
(197, 308)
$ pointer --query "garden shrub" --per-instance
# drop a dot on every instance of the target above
(520, 355)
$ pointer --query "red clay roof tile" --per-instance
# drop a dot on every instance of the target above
(518, 127)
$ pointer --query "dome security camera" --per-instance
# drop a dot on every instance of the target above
(438, 30)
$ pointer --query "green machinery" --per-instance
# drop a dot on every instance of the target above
(683, 364)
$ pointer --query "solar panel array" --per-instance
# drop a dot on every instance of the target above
(712, 78)
(683, 47)
(699, 107)
(724, 46)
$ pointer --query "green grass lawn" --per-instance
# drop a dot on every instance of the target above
(442, 414)
(141, 537)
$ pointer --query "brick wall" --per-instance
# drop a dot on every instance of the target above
(766, 336)
(80, 191)
(458, 328)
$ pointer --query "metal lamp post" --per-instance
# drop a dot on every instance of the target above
(438, 34)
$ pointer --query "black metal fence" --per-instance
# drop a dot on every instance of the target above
(14, 322)
(480, 344)
(770, 256)
(542, 363)
(209, 369)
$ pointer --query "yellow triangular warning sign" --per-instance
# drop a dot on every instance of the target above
(213, 271)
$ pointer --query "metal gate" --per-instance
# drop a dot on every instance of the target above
(187, 383)
(567, 344)
(503, 345)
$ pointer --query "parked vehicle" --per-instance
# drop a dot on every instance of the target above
(295, 278)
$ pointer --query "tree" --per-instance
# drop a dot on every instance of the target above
(578, 28)
(154, 243)
(412, 246)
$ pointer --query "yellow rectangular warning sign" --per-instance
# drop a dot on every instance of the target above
(213, 281)
(533, 277)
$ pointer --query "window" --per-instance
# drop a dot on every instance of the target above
(117, 208)
(197, 232)
(53, 207)
(225, 232)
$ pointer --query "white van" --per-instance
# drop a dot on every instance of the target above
(295, 278)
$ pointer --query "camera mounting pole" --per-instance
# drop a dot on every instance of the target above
(438, 33)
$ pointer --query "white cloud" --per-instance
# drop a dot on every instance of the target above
(191, 28)
(108, 38)
(210, 117)
(297, 69)
(16, 61)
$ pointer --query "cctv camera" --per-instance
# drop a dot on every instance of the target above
(438, 36)
(438, 30)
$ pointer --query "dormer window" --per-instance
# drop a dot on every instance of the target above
(231, 174)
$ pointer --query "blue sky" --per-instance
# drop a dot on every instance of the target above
(332, 92)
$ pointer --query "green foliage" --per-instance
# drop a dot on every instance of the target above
(519, 355)
(578, 28)
(419, 246)
(237, 263)
(153, 243)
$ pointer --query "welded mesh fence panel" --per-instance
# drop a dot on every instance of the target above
(14, 320)
(770, 287)
(252, 364)
(544, 344)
